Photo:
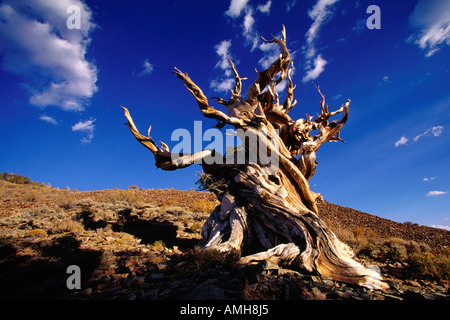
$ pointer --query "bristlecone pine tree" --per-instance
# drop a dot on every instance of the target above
(268, 206)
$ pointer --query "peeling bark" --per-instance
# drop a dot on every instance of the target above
(271, 206)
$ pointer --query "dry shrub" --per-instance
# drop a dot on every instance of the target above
(196, 227)
(367, 243)
(159, 245)
(429, 265)
(65, 225)
(394, 249)
(65, 200)
(36, 233)
(131, 197)
(198, 259)
(203, 206)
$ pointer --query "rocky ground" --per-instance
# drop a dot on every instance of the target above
(140, 244)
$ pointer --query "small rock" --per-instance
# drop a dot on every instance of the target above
(317, 294)
(156, 276)
(378, 296)
(329, 281)
(413, 283)
(366, 296)
(161, 266)
(305, 295)
(102, 286)
(441, 288)
(391, 297)
(394, 285)
(312, 278)
(347, 294)
(136, 282)
(87, 291)
(443, 282)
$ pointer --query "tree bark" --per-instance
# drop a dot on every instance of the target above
(270, 206)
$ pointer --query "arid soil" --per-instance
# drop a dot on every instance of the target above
(347, 218)
(140, 244)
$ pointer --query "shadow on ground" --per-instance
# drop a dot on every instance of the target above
(44, 277)
(148, 231)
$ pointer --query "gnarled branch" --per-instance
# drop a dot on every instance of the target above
(265, 77)
(202, 101)
(163, 158)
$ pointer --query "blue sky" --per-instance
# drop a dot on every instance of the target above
(62, 88)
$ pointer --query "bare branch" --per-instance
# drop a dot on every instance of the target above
(265, 77)
(163, 158)
(146, 141)
(289, 102)
(238, 85)
(205, 109)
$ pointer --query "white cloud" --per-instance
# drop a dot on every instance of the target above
(222, 85)
(248, 22)
(251, 36)
(236, 7)
(313, 73)
(86, 127)
(48, 119)
(429, 179)
(235, 11)
(223, 82)
(320, 13)
(435, 193)
(290, 5)
(440, 227)
(385, 80)
(147, 68)
(36, 43)
(223, 51)
(360, 26)
(265, 8)
(271, 53)
(402, 141)
(434, 131)
(432, 19)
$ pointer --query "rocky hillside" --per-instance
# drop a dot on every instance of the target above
(140, 244)
(339, 217)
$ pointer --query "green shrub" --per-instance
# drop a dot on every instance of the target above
(159, 244)
(208, 182)
(429, 265)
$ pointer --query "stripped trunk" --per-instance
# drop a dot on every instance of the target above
(269, 205)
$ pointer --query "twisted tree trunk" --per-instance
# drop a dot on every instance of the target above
(269, 205)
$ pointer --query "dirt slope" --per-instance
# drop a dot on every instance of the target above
(139, 244)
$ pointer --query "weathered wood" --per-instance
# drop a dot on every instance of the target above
(269, 206)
